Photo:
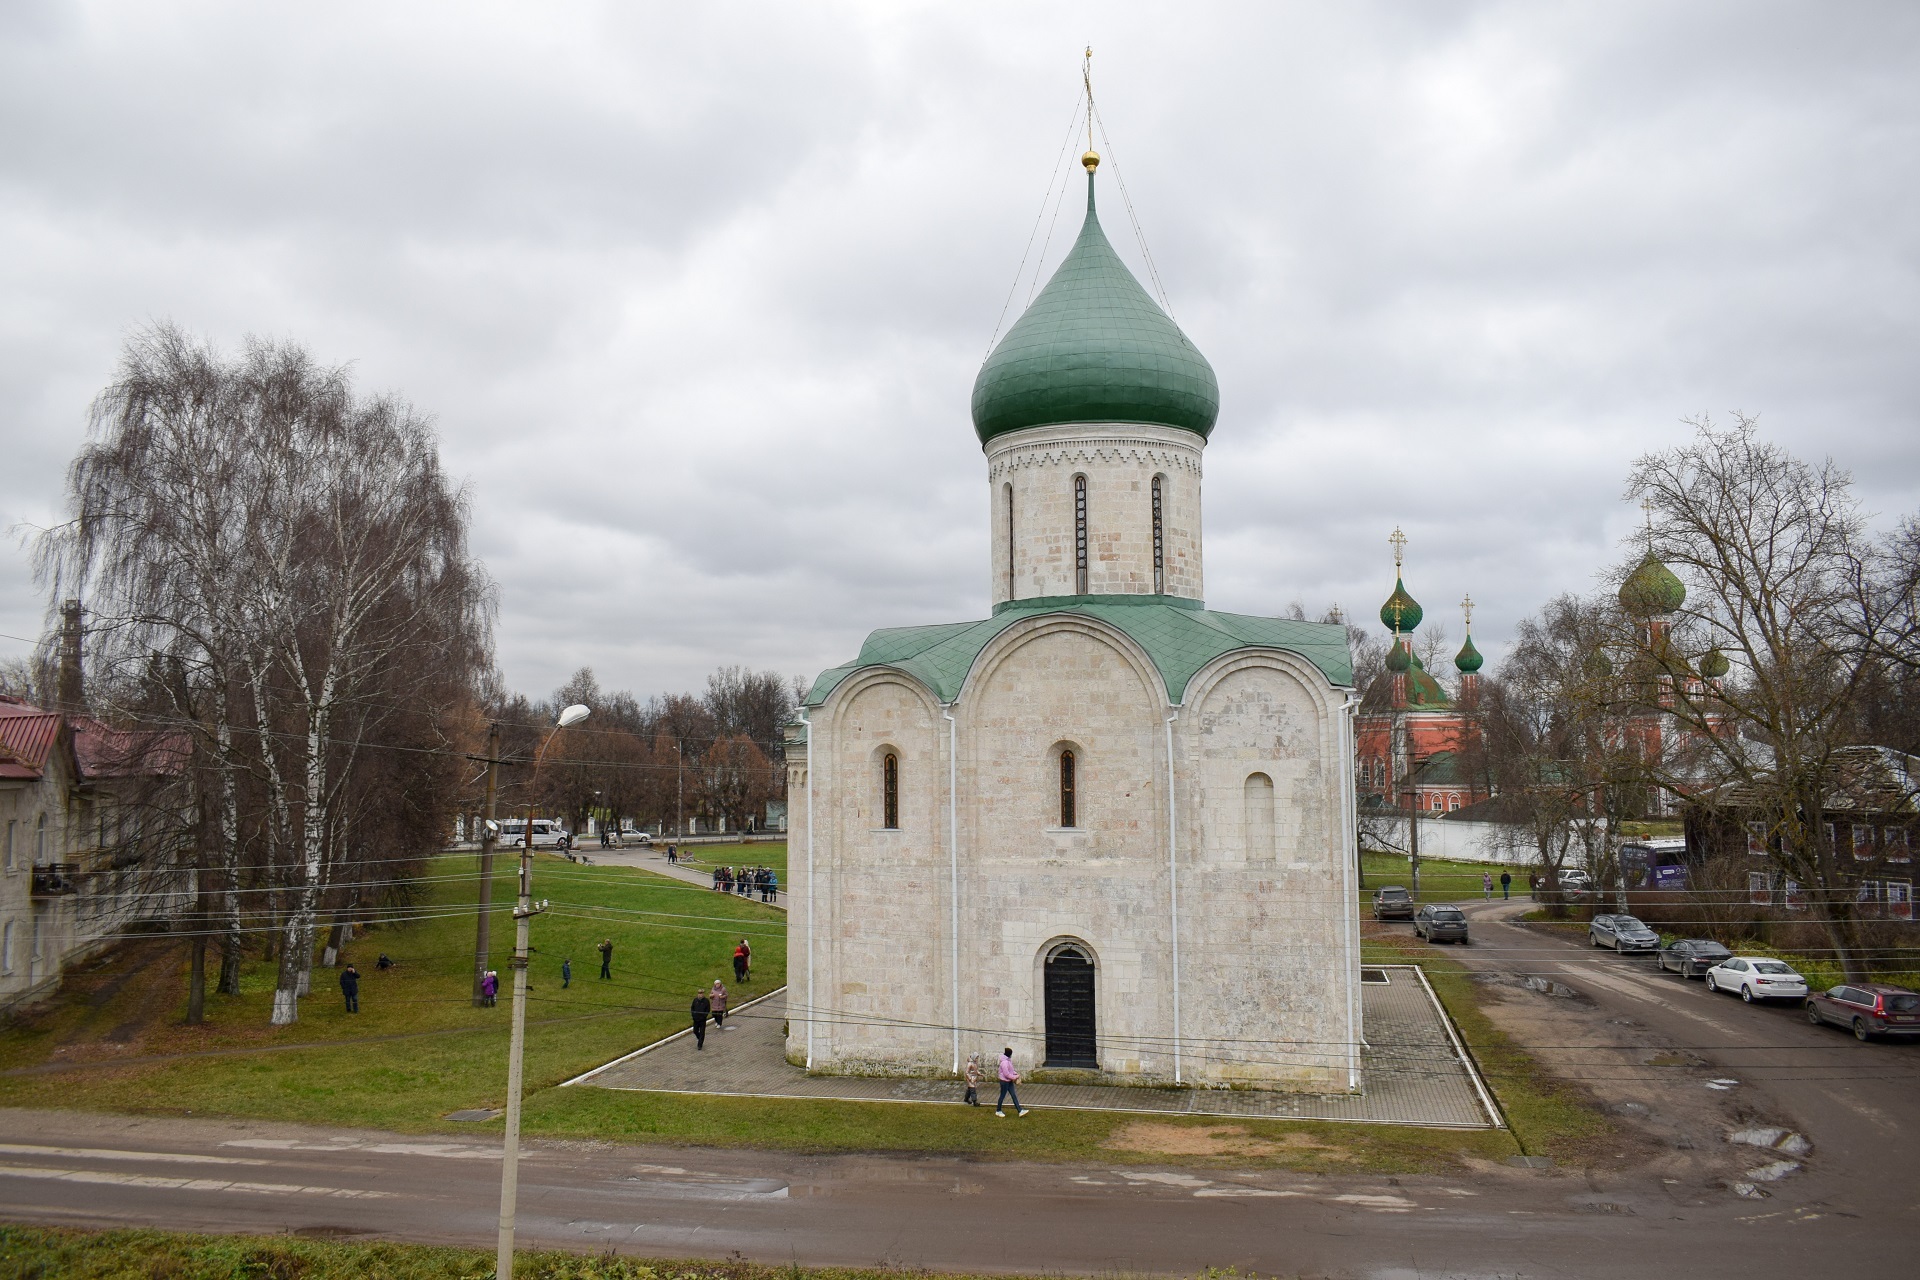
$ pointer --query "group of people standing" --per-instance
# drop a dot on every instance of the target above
(747, 882)
(712, 1003)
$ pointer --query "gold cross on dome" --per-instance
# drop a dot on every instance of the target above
(1399, 541)
(1466, 607)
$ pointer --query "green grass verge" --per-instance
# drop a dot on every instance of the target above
(34, 1253)
(1440, 880)
(1547, 1116)
(760, 853)
(418, 1049)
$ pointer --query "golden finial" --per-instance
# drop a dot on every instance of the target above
(1466, 607)
(1646, 505)
(1399, 541)
(1091, 160)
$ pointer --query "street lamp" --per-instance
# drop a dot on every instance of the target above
(523, 913)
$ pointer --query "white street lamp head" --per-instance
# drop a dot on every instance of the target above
(573, 715)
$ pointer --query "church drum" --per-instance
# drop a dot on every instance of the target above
(1069, 980)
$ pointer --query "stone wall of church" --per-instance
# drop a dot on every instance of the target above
(1266, 888)
(1032, 476)
(1267, 940)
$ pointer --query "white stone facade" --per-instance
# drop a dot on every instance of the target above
(1035, 552)
(1209, 869)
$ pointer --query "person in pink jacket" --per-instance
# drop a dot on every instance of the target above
(1008, 1078)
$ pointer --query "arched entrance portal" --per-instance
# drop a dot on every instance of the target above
(1069, 982)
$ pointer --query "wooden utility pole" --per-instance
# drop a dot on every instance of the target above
(482, 931)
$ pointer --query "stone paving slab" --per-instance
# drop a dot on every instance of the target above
(1414, 1073)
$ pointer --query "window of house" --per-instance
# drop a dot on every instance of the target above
(1757, 839)
(40, 838)
(1899, 845)
(1453, 801)
(890, 791)
(1008, 492)
(1833, 835)
(1759, 888)
(1159, 545)
(11, 864)
(1079, 538)
(1069, 798)
(6, 947)
(1900, 899)
(1862, 840)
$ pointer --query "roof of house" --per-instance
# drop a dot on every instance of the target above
(29, 736)
(1180, 636)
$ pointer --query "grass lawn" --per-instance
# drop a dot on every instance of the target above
(147, 1255)
(418, 1049)
(1440, 880)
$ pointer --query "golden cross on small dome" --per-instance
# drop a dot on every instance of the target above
(1466, 607)
(1399, 541)
(1091, 160)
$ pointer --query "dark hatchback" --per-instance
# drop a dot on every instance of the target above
(1868, 1009)
(1441, 924)
(1392, 902)
(1692, 957)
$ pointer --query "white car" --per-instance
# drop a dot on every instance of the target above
(547, 833)
(1757, 978)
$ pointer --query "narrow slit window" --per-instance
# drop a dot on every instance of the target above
(890, 791)
(1159, 545)
(1068, 797)
(1009, 497)
(1079, 535)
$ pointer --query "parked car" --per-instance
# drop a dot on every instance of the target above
(1441, 924)
(1622, 933)
(1869, 1009)
(1757, 978)
(1692, 957)
(1574, 880)
(1392, 902)
(547, 833)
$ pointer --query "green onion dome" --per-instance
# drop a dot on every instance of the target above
(1399, 658)
(1713, 663)
(1094, 347)
(1652, 589)
(1468, 660)
(1409, 610)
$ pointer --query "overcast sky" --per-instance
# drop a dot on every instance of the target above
(696, 293)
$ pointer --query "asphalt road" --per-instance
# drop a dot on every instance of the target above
(1852, 1208)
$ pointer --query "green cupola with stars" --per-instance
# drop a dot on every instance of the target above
(1094, 347)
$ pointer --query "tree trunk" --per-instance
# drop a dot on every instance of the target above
(197, 982)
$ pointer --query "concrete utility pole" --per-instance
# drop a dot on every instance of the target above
(483, 928)
(523, 912)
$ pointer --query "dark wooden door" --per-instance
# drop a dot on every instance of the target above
(1070, 1038)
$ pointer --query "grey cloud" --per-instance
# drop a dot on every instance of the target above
(696, 296)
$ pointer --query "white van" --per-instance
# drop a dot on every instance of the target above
(547, 833)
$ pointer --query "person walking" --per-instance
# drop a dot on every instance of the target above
(742, 956)
(972, 1074)
(673, 856)
(773, 886)
(1008, 1078)
(566, 973)
(606, 958)
(701, 1008)
(1486, 886)
(1506, 885)
(489, 987)
(350, 988)
(717, 997)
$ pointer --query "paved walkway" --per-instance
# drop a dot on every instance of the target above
(654, 859)
(1413, 1072)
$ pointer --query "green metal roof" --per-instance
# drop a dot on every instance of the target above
(1179, 635)
(1652, 589)
(1094, 347)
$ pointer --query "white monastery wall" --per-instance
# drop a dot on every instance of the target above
(1034, 469)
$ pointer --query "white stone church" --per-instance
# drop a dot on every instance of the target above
(1105, 825)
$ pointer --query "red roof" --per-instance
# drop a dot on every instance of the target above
(28, 736)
